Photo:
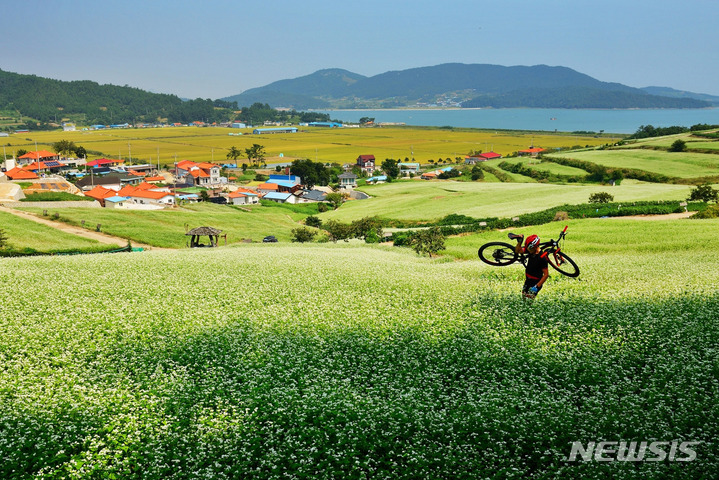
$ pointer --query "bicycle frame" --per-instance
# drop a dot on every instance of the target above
(549, 247)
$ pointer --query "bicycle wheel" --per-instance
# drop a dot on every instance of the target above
(498, 254)
(563, 264)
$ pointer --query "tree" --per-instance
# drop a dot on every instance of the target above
(337, 230)
(428, 241)
(600, 197)
(367, 227)
(303, 234)
(80, 152)
(365, 120)
(678, 146)
(64, 147)
(390, 168)
(20, 152)
(334, 199)
(234, 153)
(256, 154)
(704, 193)
(477, 173)
(311, 173)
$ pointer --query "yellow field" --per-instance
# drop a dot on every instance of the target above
(326, 145)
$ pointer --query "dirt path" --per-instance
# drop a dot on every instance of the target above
(81, 232)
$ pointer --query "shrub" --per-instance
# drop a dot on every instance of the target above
(428, 241)
(313, 221)
(561, 216)
(704, 193)
(678, 146)
(303, 234)
(3, 238)
(711, 212)
(601, 197)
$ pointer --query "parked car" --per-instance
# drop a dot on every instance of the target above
(269, 239)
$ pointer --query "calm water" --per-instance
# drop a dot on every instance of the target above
(547, 119)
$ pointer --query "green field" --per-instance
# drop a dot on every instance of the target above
(345, 361)
(432, 200)
(166, 228)
(28, 236)
(326, 145)
(672, 164)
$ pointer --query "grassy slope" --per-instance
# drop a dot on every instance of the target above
(422, 200)
(166, 228)
(682, 165)
(25, 234)
(436, 372)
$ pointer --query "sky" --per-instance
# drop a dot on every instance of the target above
(215, 49)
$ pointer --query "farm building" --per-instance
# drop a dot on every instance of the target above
(260, 131)
(481, 157)
(325, 124)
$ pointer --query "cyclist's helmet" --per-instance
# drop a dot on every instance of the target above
(531, 241)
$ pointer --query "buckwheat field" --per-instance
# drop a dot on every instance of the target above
(352, 361)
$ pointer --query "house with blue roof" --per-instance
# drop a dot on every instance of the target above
(279, 197)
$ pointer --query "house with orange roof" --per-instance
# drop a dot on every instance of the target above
(18, 173)
(52, 166)
(244, 196)
(101, 193)
(199, 174)
(37, 155)
(267, 188)
(151, 197)
(534, 151)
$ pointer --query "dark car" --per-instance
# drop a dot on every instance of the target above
(269, 239)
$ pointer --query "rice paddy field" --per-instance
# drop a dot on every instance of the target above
(326, 145)
(351, 361)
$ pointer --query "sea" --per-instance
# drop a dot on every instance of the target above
(540, 119)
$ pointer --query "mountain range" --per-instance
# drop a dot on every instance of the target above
(465, 85)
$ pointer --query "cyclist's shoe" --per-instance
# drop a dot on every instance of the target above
(514, 236)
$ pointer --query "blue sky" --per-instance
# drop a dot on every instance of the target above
(214, 49)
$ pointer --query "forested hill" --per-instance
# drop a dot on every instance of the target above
(457, 84)
(47, 100)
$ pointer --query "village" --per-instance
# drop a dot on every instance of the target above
(117, 184)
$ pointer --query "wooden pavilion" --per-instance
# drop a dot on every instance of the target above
(198, 232)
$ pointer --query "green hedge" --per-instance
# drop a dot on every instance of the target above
(456, 224)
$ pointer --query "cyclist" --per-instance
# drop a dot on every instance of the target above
(537, 270)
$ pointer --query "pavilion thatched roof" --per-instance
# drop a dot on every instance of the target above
(204, 231)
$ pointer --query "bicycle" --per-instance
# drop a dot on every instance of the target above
(501, 254)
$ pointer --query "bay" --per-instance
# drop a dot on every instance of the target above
(542, 119)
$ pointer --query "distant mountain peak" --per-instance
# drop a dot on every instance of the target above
(458, 84)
